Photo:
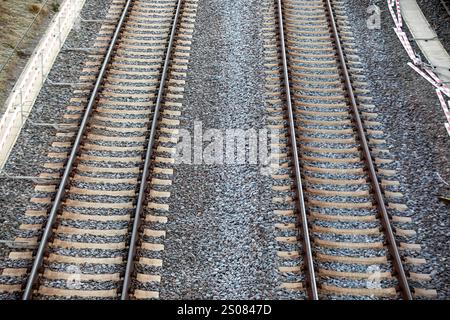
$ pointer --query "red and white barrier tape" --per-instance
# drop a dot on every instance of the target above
(416, 64)
(445, 107)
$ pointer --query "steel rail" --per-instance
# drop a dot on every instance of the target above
(311, 285)
(146, 170)
(38, 259)
(384, 216)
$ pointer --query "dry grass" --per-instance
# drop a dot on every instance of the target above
(36, 7)
(15, 17)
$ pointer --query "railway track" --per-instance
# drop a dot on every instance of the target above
(103, 234)
(341, 232)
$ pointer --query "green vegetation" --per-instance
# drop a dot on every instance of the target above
(55, 6)
(34, 8)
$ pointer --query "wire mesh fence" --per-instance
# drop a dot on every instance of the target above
(23, 85)
(21, 24)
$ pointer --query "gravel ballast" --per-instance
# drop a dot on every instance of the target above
(220, 234)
